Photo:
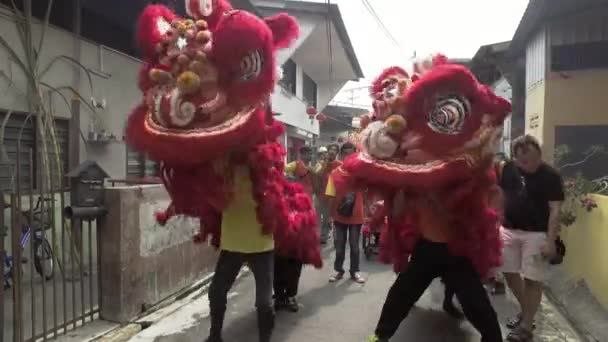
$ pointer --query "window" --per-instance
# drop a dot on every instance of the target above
(579, 56)
(138, 166)
(310, 90)
(580, 140)
(20, 126)
(289, 76)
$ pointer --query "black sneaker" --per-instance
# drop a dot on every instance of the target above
(292, 304)
(280, 304)
(211, 339)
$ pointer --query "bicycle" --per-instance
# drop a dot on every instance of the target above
(43, 253)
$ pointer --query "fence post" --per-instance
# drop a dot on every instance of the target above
(3, 257)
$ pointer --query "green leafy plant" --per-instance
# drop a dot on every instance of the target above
(578, 188)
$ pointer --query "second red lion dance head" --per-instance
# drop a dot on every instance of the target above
(434, 133)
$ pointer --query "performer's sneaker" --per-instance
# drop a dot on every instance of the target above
(375, 338)
(338, 276)
(211, 339)
(292, 304)
(357, 278)
(280, 304)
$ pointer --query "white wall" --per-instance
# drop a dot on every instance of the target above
(536, 65)
(114, 77)
(307, 25)
(503, 89)
(293, 110)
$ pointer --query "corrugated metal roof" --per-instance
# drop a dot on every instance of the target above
(539, 12)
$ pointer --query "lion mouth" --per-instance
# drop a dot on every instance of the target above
(233, 120)
(172, 110)
(417, 168)
(214, 104)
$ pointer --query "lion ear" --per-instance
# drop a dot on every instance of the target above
(199, 8)
(153, 24)
(284, 29)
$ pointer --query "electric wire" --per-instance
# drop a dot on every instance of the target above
(383, 27)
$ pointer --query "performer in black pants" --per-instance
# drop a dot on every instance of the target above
(448, 302)
(287, 273)
(429, 261)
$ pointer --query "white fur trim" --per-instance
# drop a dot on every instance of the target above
(199, 8)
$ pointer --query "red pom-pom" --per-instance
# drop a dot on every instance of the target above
(161, 217)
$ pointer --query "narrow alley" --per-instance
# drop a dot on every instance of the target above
(341, 312)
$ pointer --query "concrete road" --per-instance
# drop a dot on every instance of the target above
(340, 312)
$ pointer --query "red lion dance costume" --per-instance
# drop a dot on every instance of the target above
(206, 82)
(431, 139)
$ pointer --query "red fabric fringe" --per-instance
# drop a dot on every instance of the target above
(284, 209)
(474, 226)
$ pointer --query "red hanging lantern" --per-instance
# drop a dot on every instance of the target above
(321, 117)
(311, 111)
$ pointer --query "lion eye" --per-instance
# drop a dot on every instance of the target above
(251, 65)
(449, 115)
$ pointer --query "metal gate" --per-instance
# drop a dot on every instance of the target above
(49, 266)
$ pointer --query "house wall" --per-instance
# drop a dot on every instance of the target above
(586, 243)
(503, 89)
(583, 27)
(535, 111)
(293, 108)
(536, 65)
(307, 25)
(570, 98)
(575, 100)
(114, 78)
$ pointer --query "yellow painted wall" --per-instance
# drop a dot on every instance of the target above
(586, 243)
(578, 99)
(535, 109)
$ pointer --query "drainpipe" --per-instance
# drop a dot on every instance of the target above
(74, 149)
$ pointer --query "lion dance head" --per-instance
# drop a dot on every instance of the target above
(435, 132)
(205, 85)
(206, 81)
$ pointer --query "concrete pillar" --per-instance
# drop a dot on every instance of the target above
(143, 263)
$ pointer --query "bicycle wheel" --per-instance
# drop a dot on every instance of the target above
(43, 258)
